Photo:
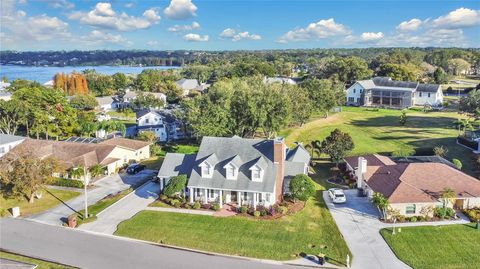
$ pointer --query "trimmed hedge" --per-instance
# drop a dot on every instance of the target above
(67, 183)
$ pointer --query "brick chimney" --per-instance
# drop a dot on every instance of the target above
(279, 152)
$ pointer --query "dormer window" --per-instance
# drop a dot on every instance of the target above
(231, 171)
(207, 170)
(257, 173)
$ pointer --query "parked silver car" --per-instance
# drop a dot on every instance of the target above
(337, 196)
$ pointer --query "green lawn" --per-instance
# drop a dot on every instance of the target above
(380, 132)
(40, 263)
(311, 231)
(153, 163)
(430, 247)
(51, 198)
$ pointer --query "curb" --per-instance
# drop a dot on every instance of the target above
(266, 261)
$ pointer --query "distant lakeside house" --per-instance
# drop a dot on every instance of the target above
(385, 92)
(189, 85)
(413, 184)
(110, 154)
(163, 122)
(239, 171)
(109, 103)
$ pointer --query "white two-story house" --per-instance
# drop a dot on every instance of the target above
(383, 91)
(162, 122)
(234, 170)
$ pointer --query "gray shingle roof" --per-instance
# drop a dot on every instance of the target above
(7, 138)
(298, 154)
(226, 149)
(386, 83)
(428, 87)
(291, 170)
(177, 164)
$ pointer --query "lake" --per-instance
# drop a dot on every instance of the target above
(43, 74)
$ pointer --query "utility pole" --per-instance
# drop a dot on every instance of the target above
(85, 183)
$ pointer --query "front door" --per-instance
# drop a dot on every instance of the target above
(233, 197)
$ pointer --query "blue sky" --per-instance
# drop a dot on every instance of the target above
(232, 25)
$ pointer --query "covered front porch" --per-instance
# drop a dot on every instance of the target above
(238, 198)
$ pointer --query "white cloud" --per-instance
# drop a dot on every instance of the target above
(238, 35)
(318, 30)
(104, 16)
(179, 28)
(62, 4)
(411, 25)
(195, 37)
(180, 10)
(152, 43)
(459, 18)
(370, 36)
(129, 5)
(96, 36)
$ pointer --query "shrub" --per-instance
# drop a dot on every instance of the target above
(457, 163)
(196, 205)
(67, 183)
(243, 209)
(174, 201)
(187, 206)
(302, 187)
(413, 219)
(175, 185)
(3, 212)
(256, 213)
(177, 204)
(444, 212)
(206, 206)
(163, 197)
(216, 206)
(473, 214)
(272, 210)
(283, 210)
(401, 218)
(263, 212)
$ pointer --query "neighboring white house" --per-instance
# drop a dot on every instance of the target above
(109, 103)
(234, 170)
(281, 80)
(8, 142)
(106, 103)
(413, 185)
(383, 91)
(187, 85)
(163, 123)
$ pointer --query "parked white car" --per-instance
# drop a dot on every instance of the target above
(337, 196)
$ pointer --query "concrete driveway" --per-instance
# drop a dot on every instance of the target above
(110, 184)
(358, 222)
(108, 220)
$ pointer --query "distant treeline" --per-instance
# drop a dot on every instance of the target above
(433, 56)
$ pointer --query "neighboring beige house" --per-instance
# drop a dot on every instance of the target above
(110, 154)
(413, 185)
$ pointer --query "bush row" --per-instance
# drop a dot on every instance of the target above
(473, 214)
(67, 183)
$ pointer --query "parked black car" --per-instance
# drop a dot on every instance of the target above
(135, 168)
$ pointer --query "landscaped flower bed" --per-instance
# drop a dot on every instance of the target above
(473, 214)
(272, 212)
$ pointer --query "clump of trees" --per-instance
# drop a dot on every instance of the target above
(22, 174)
(175, 185)
(71, 84)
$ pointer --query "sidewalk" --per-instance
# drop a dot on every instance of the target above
(108, 220)
(182, 210)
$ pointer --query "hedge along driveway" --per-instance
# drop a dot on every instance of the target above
(307, 231)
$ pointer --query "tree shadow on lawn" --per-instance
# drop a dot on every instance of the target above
(418, 122)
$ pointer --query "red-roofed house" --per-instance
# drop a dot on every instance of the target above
(413, 184)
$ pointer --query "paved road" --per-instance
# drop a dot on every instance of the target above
(88, 250)
(108, 220)
(108, 185)
(359, 224)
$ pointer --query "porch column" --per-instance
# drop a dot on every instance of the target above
(239, 199)
(206, 195)
(254, 201)
(220, 198)
(191, 192)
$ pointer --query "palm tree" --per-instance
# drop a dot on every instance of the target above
(448, 196)
(77, 172)
(110, 126)
(463, 125)
(314, 147)
(382, 203)
(96, 170)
